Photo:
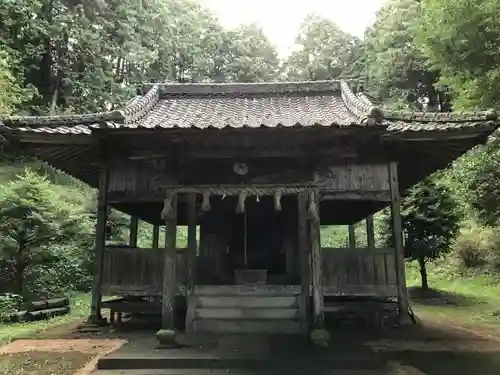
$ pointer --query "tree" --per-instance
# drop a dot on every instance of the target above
(324, 51)
(396, 69)
(32, 219)
(460, 38)
(11, 93)
(483, 182)
(250, 56)
(430, 223)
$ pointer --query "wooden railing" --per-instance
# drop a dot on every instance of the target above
(135, 271)
(363, 272)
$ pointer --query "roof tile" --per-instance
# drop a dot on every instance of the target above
(288, 104)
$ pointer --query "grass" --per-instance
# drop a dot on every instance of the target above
(470, 299)
(80, 308)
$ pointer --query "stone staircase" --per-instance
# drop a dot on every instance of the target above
(245, 309)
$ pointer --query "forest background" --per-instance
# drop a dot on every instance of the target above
(73, 56)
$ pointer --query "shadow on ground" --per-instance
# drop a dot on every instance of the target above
(433, 297)
(444, 363)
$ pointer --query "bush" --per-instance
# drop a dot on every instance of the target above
(9, 304)
(478, 246)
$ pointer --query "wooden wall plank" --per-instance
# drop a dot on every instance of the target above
(146, 277)
(353, 177)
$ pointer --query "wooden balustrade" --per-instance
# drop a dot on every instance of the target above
(136, 271)
(359, 272)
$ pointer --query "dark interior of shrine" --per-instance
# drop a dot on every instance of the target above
(332, 212)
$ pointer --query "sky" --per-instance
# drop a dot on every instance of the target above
(281, 19)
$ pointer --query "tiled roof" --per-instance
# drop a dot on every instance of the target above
(220, 106)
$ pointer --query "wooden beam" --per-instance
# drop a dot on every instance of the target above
(133, 227)
(397, 229)
(100, 244)
(370, 233)
(191, 243)
(156, 235)
(303, 248)
(169, 277)
(352, 236)
(379, 196)
(316, 270)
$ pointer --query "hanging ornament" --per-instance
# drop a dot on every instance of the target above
(277, 201)
(240, 206)
(313, 208)
(167, 211)
(205, 205)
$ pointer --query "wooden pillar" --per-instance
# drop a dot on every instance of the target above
(370, 233)
(352, 236)
(316, 268)
(169, 274)
(156, 235)
(303, 249)
(133, 226)
(191, 243)
(100, 245)
(397, 230)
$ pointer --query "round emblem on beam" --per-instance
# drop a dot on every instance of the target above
(240, 169)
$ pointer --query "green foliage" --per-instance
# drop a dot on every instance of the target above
(324, 51)
(396, 68)
(460, 37)
(9, 303)
(430, 223)
(430, 220)
(34, 218)
(477, 246)
(484, 186)
(11, 93)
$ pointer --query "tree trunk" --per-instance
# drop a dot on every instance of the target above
(19, 268)
(423, 273)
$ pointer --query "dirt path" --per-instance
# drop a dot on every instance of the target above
(54, 357)
(453, 324)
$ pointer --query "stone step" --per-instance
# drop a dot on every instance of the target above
(247, 290)
(247, 313)
(294, 365)
(246, 301)
(238, 372)
(256, 326)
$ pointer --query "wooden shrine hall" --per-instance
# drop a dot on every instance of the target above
(256, 169)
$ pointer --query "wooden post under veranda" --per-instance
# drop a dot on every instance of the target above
(169, 271)
(370, 233)
(352, 236)
(316, 265)
(100, 245)
(304, 255)
(191, 244)
(156, 236)
(133, 228)
(397, 230)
